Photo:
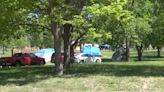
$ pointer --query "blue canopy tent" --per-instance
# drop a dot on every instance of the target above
(93, 51)
(46, 50)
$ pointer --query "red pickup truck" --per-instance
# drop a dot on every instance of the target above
(19, 59)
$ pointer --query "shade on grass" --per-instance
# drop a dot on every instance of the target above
(145, 76)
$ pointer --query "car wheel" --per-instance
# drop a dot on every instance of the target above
(42, 63)
(17, 64)
(81, 61)
(97, 61)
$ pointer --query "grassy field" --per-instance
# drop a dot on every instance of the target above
(145, 76)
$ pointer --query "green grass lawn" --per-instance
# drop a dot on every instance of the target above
(145, 76)
(103, 77)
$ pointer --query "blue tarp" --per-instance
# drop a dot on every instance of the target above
(93, 51)
(46, 50)
(45, 53)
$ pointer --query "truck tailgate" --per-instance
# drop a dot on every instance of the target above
(6, 61)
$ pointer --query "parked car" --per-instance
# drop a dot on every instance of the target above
(82, 58)
(19, 59)
(61, 58)
(104, 47)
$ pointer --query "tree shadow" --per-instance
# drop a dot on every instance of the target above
(106, 60)
(149, 58)
(118, 70)
(25, 75)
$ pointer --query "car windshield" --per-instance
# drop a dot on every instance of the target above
(17, 55)
(32, 55)
(25, 55)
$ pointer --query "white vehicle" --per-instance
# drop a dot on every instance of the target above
(82, 58)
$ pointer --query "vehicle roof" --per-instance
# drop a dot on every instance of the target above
(23, 52)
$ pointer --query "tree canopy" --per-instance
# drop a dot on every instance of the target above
(68, 22)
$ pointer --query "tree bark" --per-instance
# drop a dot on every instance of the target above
(158, 51)
(72, 51)
(57, 33)
(3, 50)
(12, 51)
(57, 46)
(67, 45)
(67, 36)
(40, 47)
(140, 52)
(127, 50)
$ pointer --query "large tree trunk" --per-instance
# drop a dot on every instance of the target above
(57, 33)
(140, 52)
(127, 50)
(3, 50)
(12, 51)
(74, 44)
(67, 45)
(67, 35)
(72, 51)
(158, 51)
